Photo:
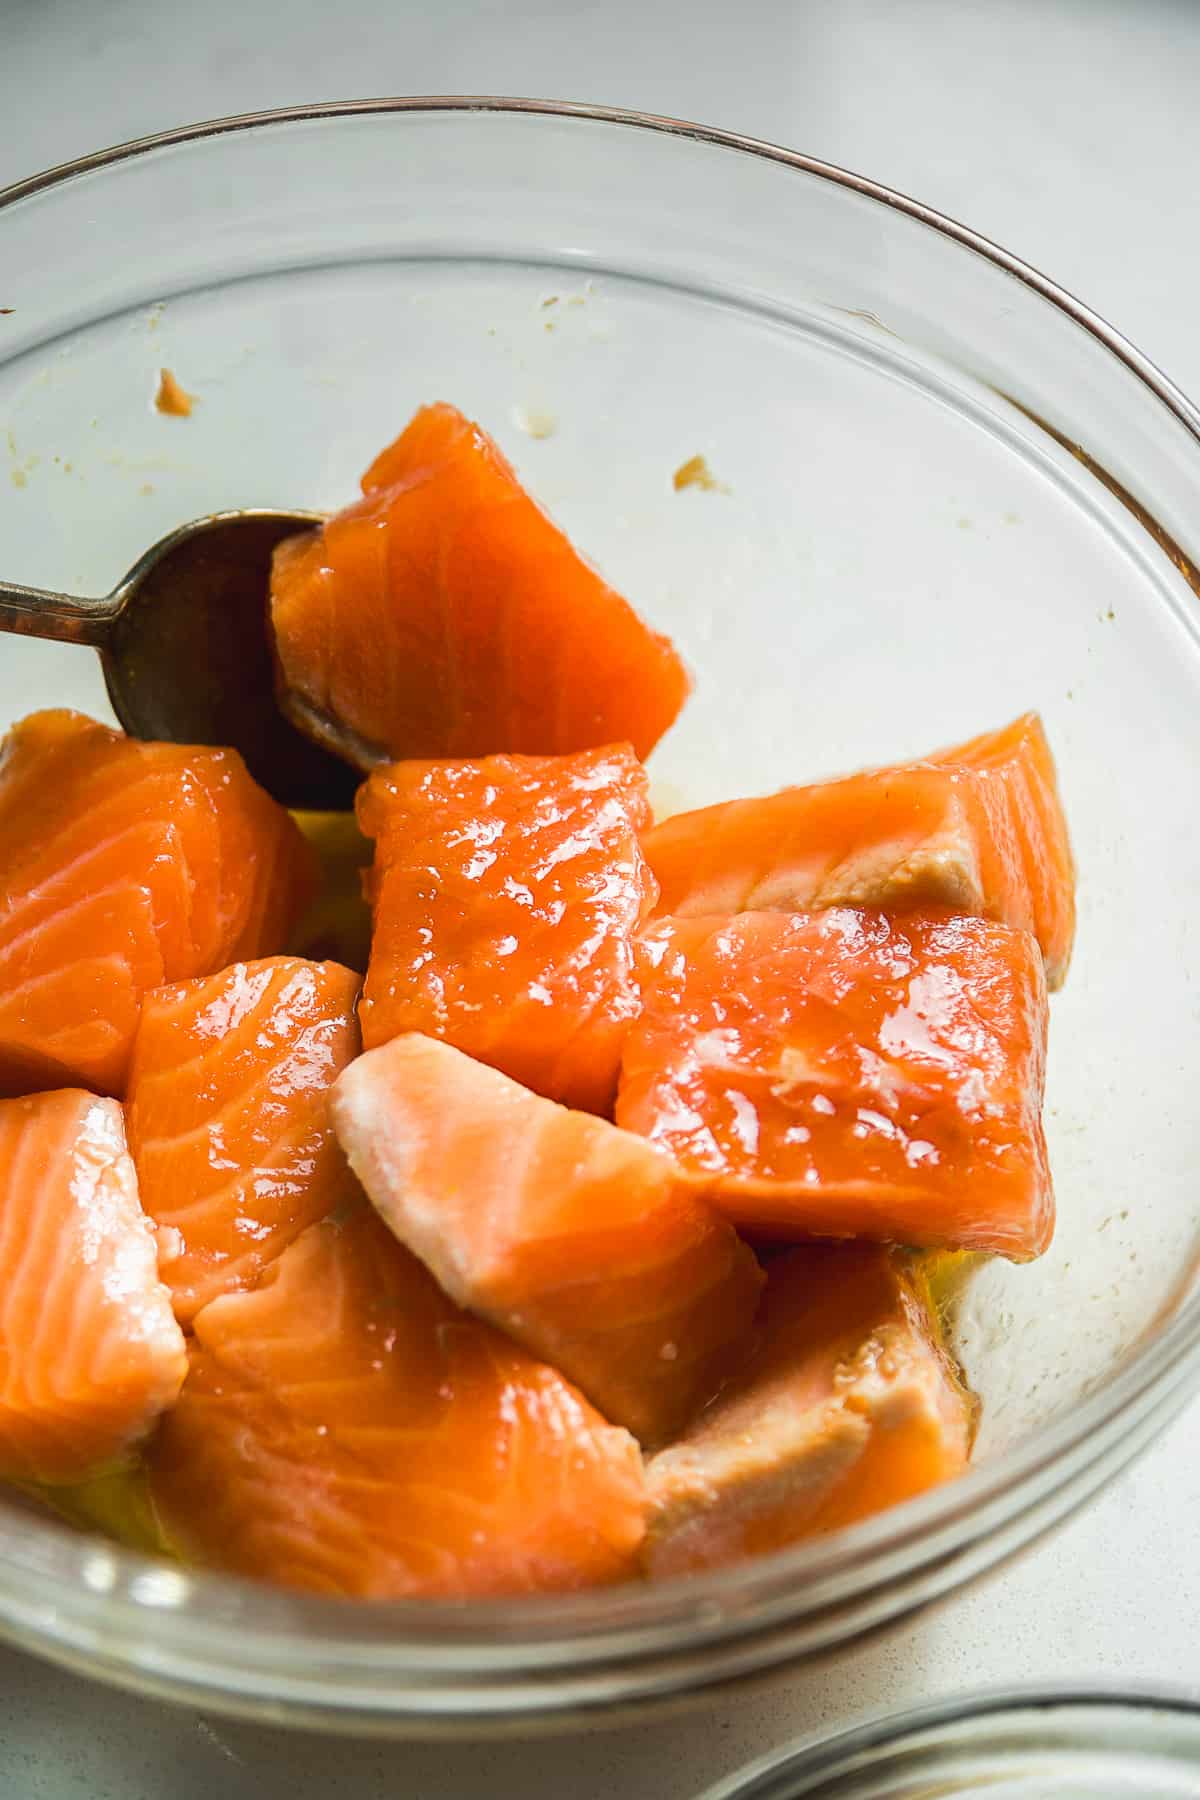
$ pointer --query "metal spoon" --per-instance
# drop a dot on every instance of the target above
(186, 651)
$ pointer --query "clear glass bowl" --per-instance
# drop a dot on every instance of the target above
(949, 493)
(1037, 1745)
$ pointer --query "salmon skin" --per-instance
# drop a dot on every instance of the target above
(443, 615)
(584, 1242)
(229, 1117)
(90, 1354)
(849, 1073)
(345, 1428)
(124, 865)
(848, 1404)
(978, 828)
(506, 895)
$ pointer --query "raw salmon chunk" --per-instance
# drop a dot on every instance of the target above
(444, 615)
(581, 1240)
(849, 1074)
(847, 1405)
(506, 897)
(90, 1353)
(345, 1427)
(124, 865)
(979, 828)
(1027, 869)
(229, 1117)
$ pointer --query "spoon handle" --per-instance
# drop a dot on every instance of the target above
(38, 612)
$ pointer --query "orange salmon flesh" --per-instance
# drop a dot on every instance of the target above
(125, 865)
(506, 897)
(443, 615)
(90, 1354)
(849, 1074)
(229, 1117)
(583, 1242)
(847, 1405)
(345, 1428)
(979, 829)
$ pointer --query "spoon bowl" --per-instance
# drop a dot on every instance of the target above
(185, 646)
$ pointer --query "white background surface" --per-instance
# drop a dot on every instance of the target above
(1068, 131)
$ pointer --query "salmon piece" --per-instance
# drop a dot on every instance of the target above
(849, 1074)
(580, 1240)
(443, 615)
(1034, 856)
(228, 1117)
(124, 865)
(847, 1405)
(345, 1427)
(90, 1353)
(70, 990)
(506, 895)
(979, 829)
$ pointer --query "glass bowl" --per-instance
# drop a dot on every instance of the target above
(1034, 1745)
(947, 493)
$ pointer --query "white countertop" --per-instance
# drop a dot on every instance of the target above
(1069, 132)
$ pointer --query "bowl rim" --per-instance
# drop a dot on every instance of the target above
(862, 1741)
(1083, 315)
(480, 1639)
